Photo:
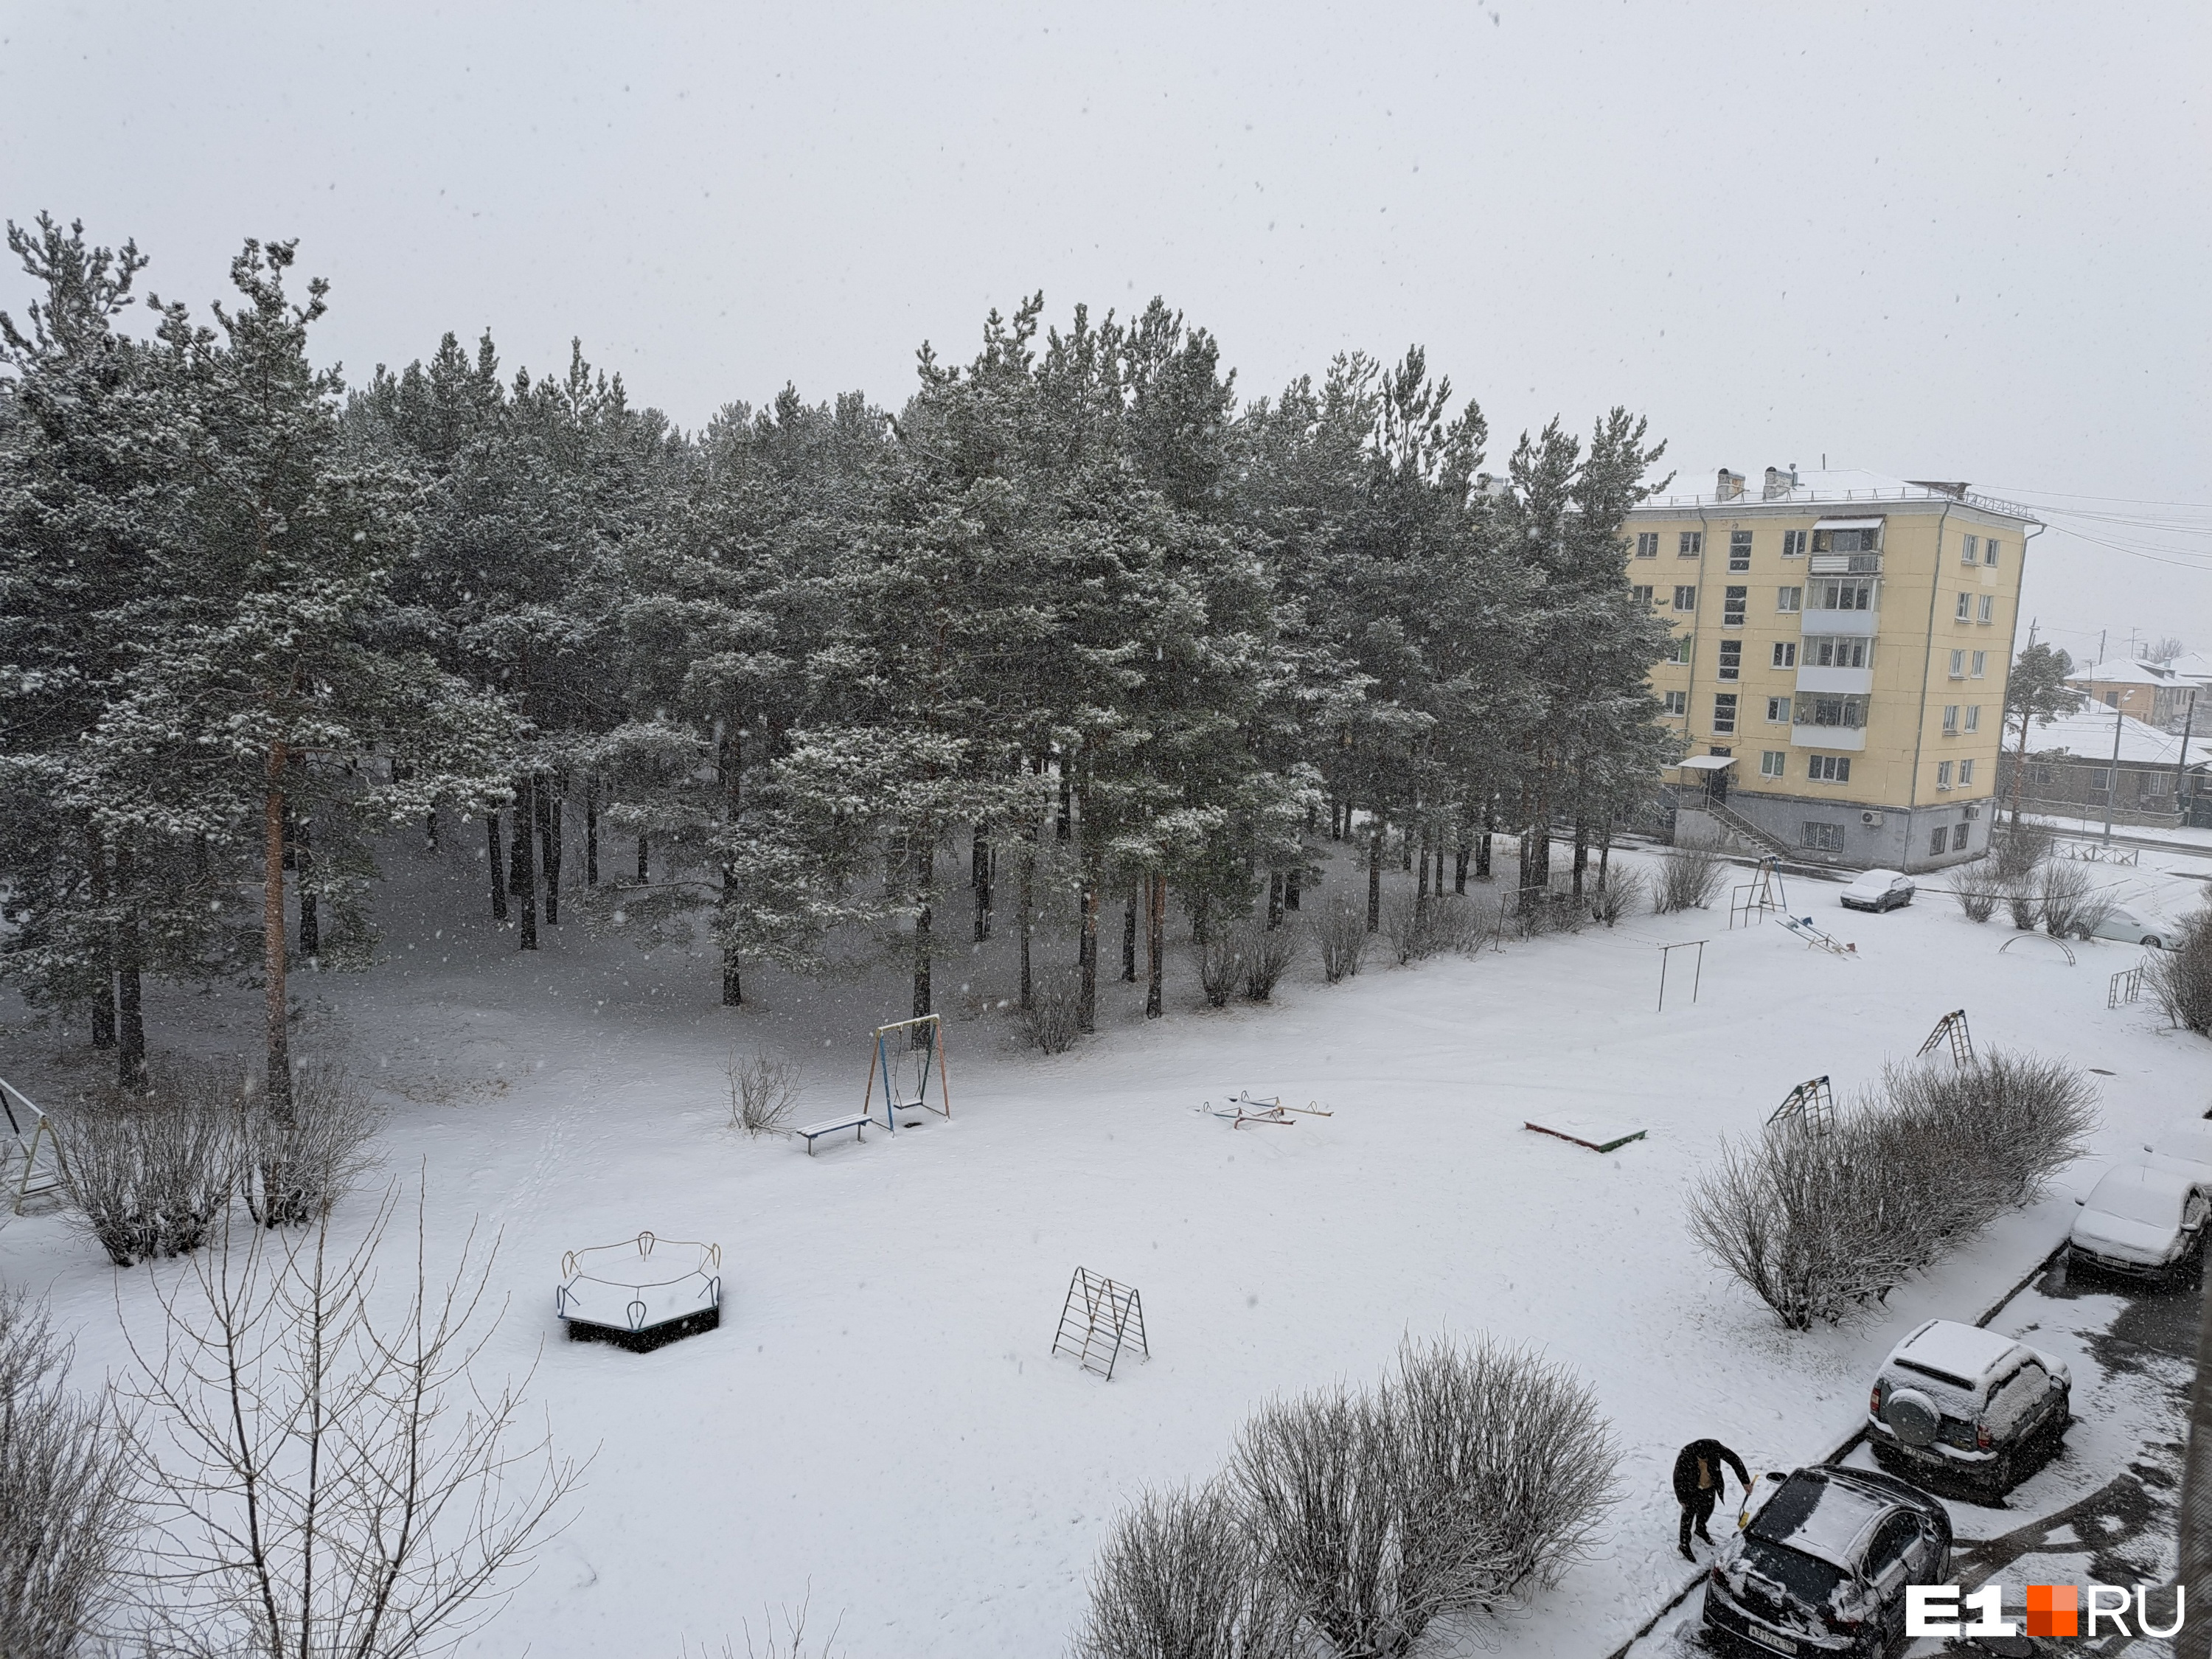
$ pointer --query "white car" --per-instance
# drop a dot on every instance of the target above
(2137, 924)
(2186, 1151)
(2139, 1221)
(1959, 1406)
(1879, 890)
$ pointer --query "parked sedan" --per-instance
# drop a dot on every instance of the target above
(2139, 1221)
(2136, 924)
(1820, 1562)
(1879, 890)
(1959, 1407)
(2186, 1151)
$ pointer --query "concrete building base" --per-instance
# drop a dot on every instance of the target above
(1901, 839)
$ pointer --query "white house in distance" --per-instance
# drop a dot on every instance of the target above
(2072, 772)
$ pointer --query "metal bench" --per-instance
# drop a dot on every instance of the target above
(858, 1122)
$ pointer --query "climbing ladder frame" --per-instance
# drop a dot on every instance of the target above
(1098, 1321)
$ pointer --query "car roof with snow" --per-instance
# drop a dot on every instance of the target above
(2135, 1192)
(1964, 1354)
(2191, 1141)
(1820, 1515)
(1879, 880)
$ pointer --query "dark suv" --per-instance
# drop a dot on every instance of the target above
(1820, 1561)
(1961, 1409)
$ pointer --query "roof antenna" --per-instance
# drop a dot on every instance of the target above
(1823, 460)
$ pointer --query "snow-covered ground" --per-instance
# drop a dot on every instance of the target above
(878, 1425)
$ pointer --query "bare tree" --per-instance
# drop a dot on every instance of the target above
(1342, 933)
(329, 1478)
(297, 1164)
(68, 1500)
(1180, 1579)
(764, 1094)
(791, 1642)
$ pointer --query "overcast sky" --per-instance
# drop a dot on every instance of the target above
(1941, 241)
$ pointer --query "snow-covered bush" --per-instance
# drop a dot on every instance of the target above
(1221, 962)
(147, 1175)
(1689, 877)
(67, 1498)
(2020, 903)
(1179, 1578)
(1054, 1018)
(1268, 953)
(764, 1094)
(1978, 898)
(2181, 977)
(1341, 933)
(1623, 890)
(2070, 901)
(297, 1163)
(2018, 848)
(2026, 1116)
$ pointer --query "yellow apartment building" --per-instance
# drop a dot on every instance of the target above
(1841, 646)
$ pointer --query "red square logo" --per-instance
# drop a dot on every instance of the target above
(2053, 1610)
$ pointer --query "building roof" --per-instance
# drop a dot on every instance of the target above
(2122, 670)
(1837, 486)
(2089, 735)
(2193, 666)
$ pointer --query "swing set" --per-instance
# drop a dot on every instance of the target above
(907, 1052)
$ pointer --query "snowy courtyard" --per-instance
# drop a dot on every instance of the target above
(878, 1428)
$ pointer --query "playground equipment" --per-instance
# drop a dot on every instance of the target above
(1951, 1029)
(643, 1293)
(28, 1133)
(1697, 973)
(1244, 1108)
(1762, 893)
(1819, 938)
(905, 1054)
(1599, 1136)
(2126, 986)
(1810, 1106)
(1098, 1320)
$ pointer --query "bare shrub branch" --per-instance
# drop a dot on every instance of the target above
(764, 1094)
(2020, 847)
(2181, 977)
(1688, 879)
(1179, 1578)
(1342, 933)
(1625, 891)
(298, 1163)
(1221, 962)
(147, 1175)
(1054, 1018)
(1978, 899)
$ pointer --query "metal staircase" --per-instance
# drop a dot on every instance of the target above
(1742, 827)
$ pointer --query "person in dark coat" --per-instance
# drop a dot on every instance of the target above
(1698, 1475)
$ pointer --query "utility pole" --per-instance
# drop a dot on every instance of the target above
(2112, 777)
(2181, 761)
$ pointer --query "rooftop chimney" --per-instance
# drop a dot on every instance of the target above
(1779, 483)
(1731, 486)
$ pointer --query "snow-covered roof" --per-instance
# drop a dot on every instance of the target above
(1967, 1352)
(1837, 1522)
(2195, 666)
(1836, 487)
(2087, 735)
(2122, 670)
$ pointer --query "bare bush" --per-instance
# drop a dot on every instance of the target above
(764, 1094)
(325, 1478)
(1541, 911)
(1269, 952)
(2020, 904)
(790, 1642)
(2180, 977)
(2020, 848)
(1054, 1018)
(1341, 931)
(1623, 891)
(2066, 897)
(68, 1503)
(2027, 1118)
(148, 1174)
(1221, 963)
(1977, 898)
(1180, 1579)
(1688, 879)
(297, 1161)
(1406, 927)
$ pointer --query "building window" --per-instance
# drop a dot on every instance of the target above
(1785, 653)
(1676, 702)
(1734, 601)
(1685, 599)
(1850, 593)
(1965, 612)
(1990, 552)
(1829, 769)
(1938, 840)
(1691, 543)
(1793, 543)
(1837, 651)
(1777, 710)
(1958, 665)
(1773, 763)
(2100, 777)
(1739, 549)
(2155, 784)
(1646, 543)
(2112, 700)
(1970, 551)
(1846, 712)
(1966, 773)
(2039, 774)
(1950, 720)
(1986, 612)
(1731, 659)
(1981, 664)
(1788, 598)
(1723, 713)
(1641, 594)
(1824, 837)
(1959, 837)
(1973, 717)
(1942, 774)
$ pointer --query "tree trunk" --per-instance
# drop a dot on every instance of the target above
(1025, 907)
(1460, 858)
(1156, 940)
(591, 829)
(1290, 889)
(642, 846)
(311, 915)
(1129, 938)
(1375, 876)
(498, 869)
(103, 1005)
(276, 1006)
(521, 870)
(731, 760)
(430, 831)
(550, 792)
(1086, 1015)
(1604, 853)
(1581, 854)
(130, 1049)
(979, 878)
(1421, 881)
(1065, 830)
(1482, 842)
(925, 884)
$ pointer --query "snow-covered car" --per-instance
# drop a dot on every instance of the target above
(1820, 1561)
(2141, 1222)
(1960, 1407)
(1878, 889)
(2136, 923)
(2186, 1151)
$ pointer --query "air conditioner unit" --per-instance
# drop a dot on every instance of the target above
(1869, 818)
(1973, 812)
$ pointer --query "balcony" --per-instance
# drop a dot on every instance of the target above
(1844, 564)
(1852, 738)
(1868, 623)
(1850, 682)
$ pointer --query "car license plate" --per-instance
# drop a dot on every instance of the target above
(1767, 1638)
